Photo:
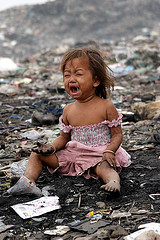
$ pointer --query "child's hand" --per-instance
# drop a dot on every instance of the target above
(110, 158)
(45, 149)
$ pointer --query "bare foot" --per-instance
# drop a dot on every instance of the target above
(111, 186)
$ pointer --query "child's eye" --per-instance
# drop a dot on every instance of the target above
(66, 75)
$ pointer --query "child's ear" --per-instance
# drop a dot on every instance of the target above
(96, 82)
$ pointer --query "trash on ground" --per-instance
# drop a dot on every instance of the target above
(118, 214)
(4, 227)
(18, 168)
(89, 227)
(7, 64)
(32, 135)
(154, 227)
(37, 207)
(60, 230)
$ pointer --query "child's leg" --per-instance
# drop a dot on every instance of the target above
(35, 164)
(26, 184)
(109, 176)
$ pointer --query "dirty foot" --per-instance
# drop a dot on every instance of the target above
(24, 186)
(111, 186)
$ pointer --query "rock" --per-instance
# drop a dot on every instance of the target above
(119, 232)
(101, 204)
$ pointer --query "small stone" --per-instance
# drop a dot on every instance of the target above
(103, 234)
(101, 205)
(119, 232)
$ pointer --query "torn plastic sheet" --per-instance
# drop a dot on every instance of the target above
(37, 207)
(4, 227)
(118, 214)
(31, 135)
(144, 228)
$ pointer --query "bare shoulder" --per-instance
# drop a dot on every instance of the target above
(111, 110)
(68, 107)
(66, 112)
(109, 104)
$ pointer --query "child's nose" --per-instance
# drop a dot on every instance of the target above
(72, 78)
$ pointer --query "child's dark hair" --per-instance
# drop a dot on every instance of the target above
(98, 67)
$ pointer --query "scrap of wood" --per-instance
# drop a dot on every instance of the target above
(7, 160)
(79, 200)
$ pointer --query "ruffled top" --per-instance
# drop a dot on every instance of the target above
(91, 135)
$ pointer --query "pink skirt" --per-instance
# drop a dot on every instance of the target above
(78, 159)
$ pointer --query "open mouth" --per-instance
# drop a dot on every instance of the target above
(74, 89)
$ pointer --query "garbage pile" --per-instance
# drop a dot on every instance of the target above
(32, 98)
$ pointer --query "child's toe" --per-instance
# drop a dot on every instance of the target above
(111, 186)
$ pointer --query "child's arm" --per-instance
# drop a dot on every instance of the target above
(50, 148)
(116, 136)
(58, 143)
(61, 141)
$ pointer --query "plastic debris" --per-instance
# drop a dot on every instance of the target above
(90, 214)
(60, 230)
(148, 235)
(45, 190)
(144, 228)
(95, 218)
(87, 226)
(24, 186)
(7, 64)
(18, 168)
(9, 90)
(32, 135)
(118, 214)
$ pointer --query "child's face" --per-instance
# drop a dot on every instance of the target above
(78, 80)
